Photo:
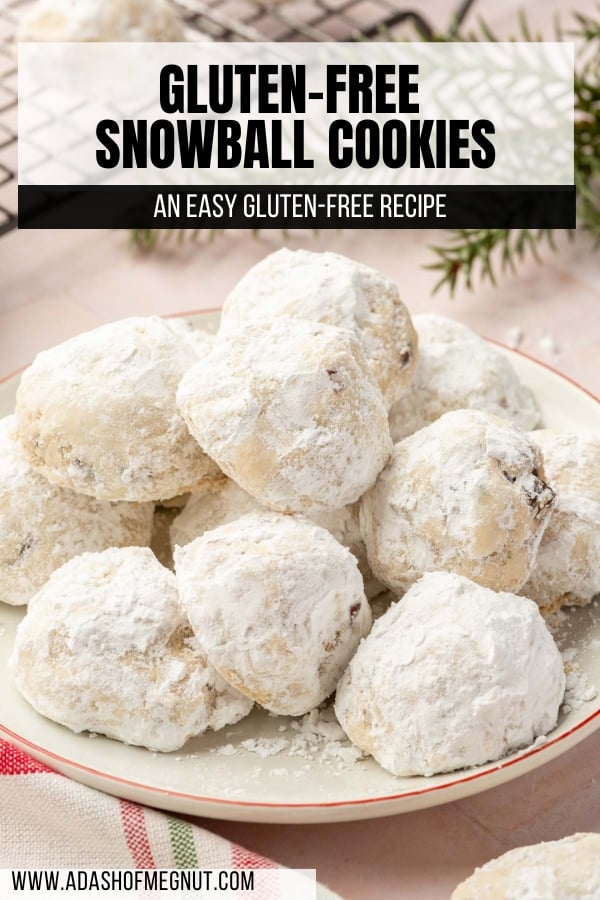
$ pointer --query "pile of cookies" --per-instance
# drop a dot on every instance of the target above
(100, 20)
(200, 524)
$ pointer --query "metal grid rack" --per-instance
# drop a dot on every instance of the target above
(9, 13)
(223, 20)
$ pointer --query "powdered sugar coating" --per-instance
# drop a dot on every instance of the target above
(278, 606)
(203, 341)
(42, 525)
(459, 370)
(453, 675)
(218, 503)
(344, 526)
(567, 567)
(568, 869)
(97, 413)
(329, 288)
(291, 413)
(224, 501)
(100, 20)
(105, 647)
(466, 494)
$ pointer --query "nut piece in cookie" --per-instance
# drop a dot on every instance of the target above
(467, 494)
(277, 605)
(453, 675)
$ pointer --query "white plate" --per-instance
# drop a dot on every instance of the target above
(281, 788)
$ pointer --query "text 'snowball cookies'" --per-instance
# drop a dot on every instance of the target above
(329, 288)
(105, 647)
(568, 869)
(291, 413)
(278, 606)
(100, 20)
(459, 370)
(222, 501)
(453, 675)
(97, 413)
(567, 567)
(43, 525)
(466, 494)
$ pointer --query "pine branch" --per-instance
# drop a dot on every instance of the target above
(473, 253)
(146, 239)
(481, 253)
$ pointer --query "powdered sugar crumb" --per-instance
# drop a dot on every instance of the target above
(563, 626)
(579, 689)
(548, 345)
(226, 750)
(514, 337)
(316, 736)
(265, 747)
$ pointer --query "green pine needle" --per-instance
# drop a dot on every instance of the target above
(477, 252)
(471, 254)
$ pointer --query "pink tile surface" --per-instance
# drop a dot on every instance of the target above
(425, 854)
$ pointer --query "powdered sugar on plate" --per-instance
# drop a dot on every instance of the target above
(575, 644)
(579, 688)
(316, 736)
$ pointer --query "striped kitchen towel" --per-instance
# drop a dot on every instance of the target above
(48, 821)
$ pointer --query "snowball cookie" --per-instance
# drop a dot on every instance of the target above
(223, 501)
(453, 675)
(105, 647)
(278, 606)
(97, 413)
(466, 494)
(459, 370)
(291, 413)
(557, 870)
(42, 525)
(567, 567)
(329, 288)
(100, 20)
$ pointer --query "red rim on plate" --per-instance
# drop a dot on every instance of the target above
(199, 798)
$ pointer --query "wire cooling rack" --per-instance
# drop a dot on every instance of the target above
(223, 20)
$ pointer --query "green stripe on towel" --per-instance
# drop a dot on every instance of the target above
(182, 842)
